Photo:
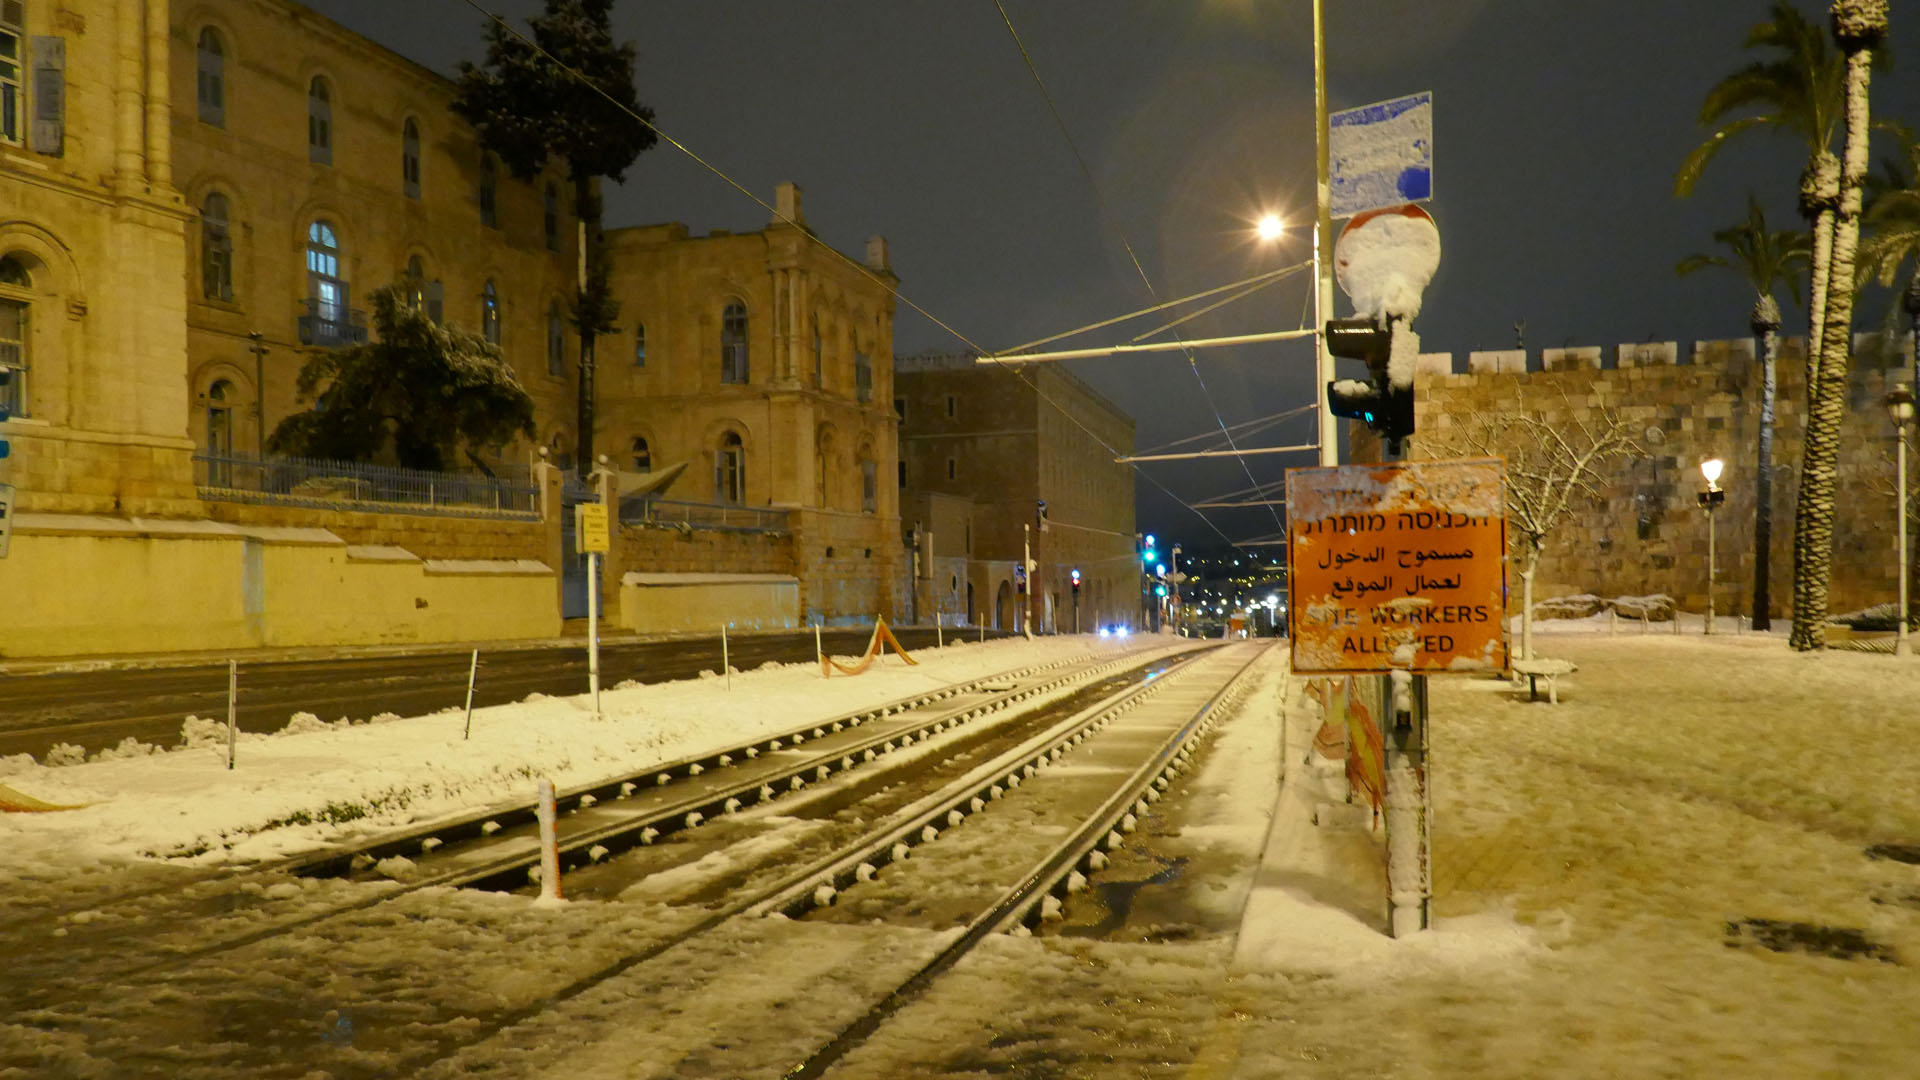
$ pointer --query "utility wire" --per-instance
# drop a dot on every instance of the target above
(1104, 323)
(1100, 203)
(857, 267)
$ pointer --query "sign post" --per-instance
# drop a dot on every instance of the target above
(1381, 155)
(591, 533)
(1399, 569)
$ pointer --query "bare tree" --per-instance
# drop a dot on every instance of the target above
(1554, 465)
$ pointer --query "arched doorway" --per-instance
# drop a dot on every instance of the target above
(220, 434)
(1003, 606)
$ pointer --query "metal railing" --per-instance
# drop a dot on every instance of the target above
(648, 510)
(331, 327)
(238, 476)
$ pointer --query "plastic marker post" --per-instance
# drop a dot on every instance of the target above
(939, 633)
(726, 665)
(473, 667)
(819, 655)
(593, 629)
(233, 693)
(549, 846)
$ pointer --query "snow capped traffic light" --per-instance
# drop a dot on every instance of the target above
(1383, 402)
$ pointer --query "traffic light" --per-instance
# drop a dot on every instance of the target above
(1160, 590)
(1076, 581)
(1387, 410)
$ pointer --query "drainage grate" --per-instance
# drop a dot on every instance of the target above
(1838, 942)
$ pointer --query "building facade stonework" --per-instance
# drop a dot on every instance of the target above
(1646, 533)
(199, 195)
(981, 448)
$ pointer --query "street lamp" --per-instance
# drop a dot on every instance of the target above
(1269, 227)
(1900, 408)
(1710, 500)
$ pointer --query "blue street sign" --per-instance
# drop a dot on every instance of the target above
(1381, 155)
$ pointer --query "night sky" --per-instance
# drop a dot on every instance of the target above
(1558, 127)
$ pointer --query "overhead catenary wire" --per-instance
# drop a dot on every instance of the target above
(1100, 202)
(1260, 278)
(857, 267)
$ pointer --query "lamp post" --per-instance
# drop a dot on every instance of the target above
(1900, 408)
(1710, 500)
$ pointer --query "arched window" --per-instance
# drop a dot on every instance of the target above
(550, 217)
(730, 470)
(213, 78)
(15, 343)
(12, 36)
(489, 192)
(556, 340)
(733, 343)
(490, 314)
(869, 481)
(416, 283)
(639, 344)
(319, 121)
(642, 455)
(216, 249)
(816, 353)
(326, 290)
(862, 376)
(410, 158)
(220, 435)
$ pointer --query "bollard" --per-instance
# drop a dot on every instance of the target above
(819, 655)
(473, 667)
(1613, 621)
(233, 693)
(939, 634)
(726, 664)
(549, 846)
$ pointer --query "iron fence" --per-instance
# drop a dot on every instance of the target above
(344, 485)
(649, 510)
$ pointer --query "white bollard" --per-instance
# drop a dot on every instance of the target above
(726, 664)
(939, 634)
(819, 656)
(549, 846)
(473, 667)
(233, 694)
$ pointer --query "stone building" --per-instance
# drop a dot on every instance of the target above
(1647, 534)
(980, 449)
(764, 361)
(196, 196)
(319, 166)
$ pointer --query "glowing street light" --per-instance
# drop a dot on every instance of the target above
(1269, 227)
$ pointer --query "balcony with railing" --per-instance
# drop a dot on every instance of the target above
(330, 326)
(237, 476)
(725, 517)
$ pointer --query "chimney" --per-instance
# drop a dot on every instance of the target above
(786, 203)
(877, 254)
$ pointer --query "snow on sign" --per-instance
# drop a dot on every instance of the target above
(1381, 155)
(1399, 566)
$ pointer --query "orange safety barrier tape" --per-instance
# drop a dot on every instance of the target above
(828, 665)
(14, 802)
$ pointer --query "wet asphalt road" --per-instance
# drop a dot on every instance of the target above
(97, 709)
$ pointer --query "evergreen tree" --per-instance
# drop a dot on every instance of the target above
(419, 393)
(566, 95)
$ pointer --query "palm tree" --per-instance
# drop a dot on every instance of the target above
(1797, 90)
(1858, 27)
(568, 95)
(1766, 260)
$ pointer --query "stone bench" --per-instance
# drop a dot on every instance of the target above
(1541, 668)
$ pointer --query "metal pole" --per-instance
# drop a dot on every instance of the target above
(1322, 243)
(1901, 647)
(233, 693)
(818, 654)
(726, 664)
(1710, 568)
(593, 629)
(1026, 572)
(259, 350)
(473, 667)
(549, 847)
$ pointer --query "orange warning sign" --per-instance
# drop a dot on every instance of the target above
(1399, 566)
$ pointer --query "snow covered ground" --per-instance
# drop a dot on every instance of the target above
(320, 783)
(1596, 865)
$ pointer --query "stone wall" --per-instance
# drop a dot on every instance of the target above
(1647, 533)
(428, 536)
